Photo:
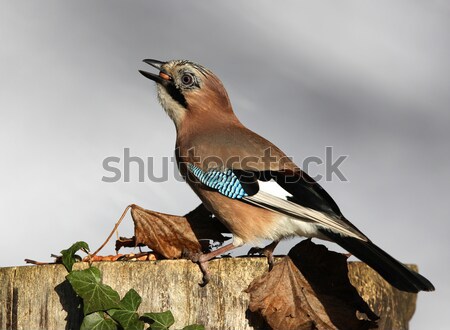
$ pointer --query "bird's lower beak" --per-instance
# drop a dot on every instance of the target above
(163, 78)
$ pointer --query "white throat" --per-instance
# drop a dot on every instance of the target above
(174, 109)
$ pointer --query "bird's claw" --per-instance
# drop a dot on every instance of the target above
(265, 252)
(192, 256)
(199, 259)
(204, 269)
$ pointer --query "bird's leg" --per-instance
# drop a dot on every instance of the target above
(202, 260)
(267, 251)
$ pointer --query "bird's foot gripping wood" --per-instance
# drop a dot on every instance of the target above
(266, 251)
(202, 260)
(199, 258)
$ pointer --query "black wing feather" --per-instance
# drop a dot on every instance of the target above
(397, 274)
(307, 192)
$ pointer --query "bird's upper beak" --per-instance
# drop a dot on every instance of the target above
(163, 78)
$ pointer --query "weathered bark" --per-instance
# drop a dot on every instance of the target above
(38, 297)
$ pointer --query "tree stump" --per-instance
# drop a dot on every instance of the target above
(39, 297)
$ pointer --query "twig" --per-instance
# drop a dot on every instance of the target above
(34, 262)
(112, 232)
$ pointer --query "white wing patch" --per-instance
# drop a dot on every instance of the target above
(273, 197)
(274, 189)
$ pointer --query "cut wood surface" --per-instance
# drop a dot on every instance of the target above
(39, 297)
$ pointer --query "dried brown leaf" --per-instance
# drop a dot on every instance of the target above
(142, 256)
(327, 273)
(114, 257)
(172, 236)
(126, 242)
(288, 299)
(122, 257)
(168, 235)
(205, 226)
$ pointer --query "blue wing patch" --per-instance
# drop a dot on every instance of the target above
(226, 183)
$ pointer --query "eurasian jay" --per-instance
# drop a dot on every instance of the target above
(248, 183)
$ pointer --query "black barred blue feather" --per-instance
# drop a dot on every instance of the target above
(226, 182)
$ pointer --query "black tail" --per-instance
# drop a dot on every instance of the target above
(397, 274)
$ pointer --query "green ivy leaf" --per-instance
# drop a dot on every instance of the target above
(126, 315)
(194, 327)
(161, 321)
(96, 296)
(97, 321)
(131, 301)
(69, 257)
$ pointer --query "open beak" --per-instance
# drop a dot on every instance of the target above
(163, 78)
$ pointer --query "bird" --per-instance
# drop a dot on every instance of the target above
(250, 184)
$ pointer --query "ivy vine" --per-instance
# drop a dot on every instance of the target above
(102, 307)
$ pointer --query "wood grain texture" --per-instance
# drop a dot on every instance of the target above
(38, 297)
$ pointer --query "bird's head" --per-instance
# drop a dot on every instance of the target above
(186, 89)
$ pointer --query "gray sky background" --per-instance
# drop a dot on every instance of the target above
(371, 79)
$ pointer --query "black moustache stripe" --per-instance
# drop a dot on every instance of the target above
(176, 94)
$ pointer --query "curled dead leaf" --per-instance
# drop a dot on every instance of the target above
(318, 296)
(168, 235)
(144, 256)
(173, 236)
(127, 242)
(205, 226)
(327, 273)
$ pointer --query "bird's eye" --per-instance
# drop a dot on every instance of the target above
(187, 79)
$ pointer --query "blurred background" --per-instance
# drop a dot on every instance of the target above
(370, 79)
